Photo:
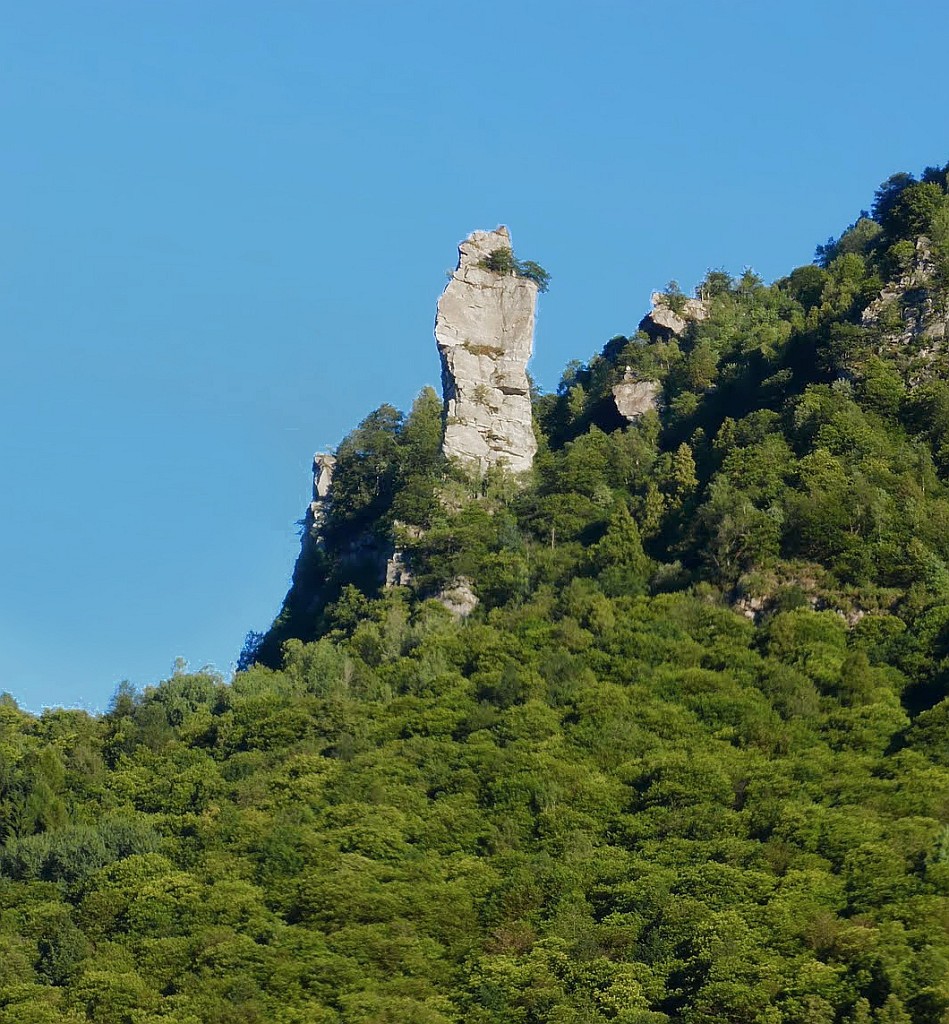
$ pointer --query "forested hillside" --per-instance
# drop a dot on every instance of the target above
(686, 760)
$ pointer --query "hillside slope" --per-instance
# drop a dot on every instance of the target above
(687, 759)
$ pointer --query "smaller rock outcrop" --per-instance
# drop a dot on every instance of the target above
(912, 316)
(323, 466)
(398, 573)
(634, 397)
(663, 322)
(485, 333)
(459, 598)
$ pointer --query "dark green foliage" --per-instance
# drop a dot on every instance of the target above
(366, 473)
(888, 195)
(533, 272)
(503, 261)
(618, 558)
(384, 482)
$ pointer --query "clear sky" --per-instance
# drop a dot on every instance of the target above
(225, 226)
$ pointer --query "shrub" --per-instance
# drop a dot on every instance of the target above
(502, 261)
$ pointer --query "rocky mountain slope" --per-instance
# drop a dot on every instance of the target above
(651, 725)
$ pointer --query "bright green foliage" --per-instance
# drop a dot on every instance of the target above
(592, 805)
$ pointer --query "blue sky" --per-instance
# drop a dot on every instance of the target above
(225, 226)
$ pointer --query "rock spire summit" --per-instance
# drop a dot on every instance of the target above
(484, 328)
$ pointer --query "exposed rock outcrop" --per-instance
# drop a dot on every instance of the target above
(635, 397)
(485, 333)
(664, 322)
(913, 318)
(459, 598)
(398, 573)
(323, 466)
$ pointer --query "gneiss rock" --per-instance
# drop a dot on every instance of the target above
(398, 573)
(485, 333)
(459, 597)
(912, 316)
(323, 466)
(634, 397)
(662, 321)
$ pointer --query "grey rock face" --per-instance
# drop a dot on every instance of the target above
(485, 333)
(663, 321)
(459, 598)
(323, 466)
(398, 573)
(913, 319)
(635, 397)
